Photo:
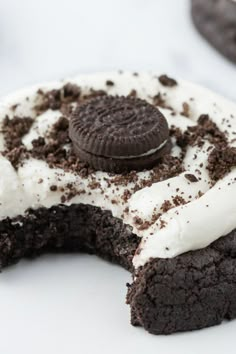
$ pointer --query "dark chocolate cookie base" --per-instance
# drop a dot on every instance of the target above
(216, 21)
(75, 228)
(192, 291)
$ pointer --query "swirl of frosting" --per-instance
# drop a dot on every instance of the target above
(172, 214)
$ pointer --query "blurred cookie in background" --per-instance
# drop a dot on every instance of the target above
(216, 21)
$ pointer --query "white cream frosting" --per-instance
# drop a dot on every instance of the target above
(194, 225)
(187, 227)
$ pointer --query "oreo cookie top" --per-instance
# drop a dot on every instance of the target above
(118, 134)
(176, 205)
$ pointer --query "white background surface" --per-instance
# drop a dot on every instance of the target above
(75, 303)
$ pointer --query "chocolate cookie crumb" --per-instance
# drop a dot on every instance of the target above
(186, 110)
(197, 135)
(192, 178)
(158, 100)
(167, 205)
(53, 188)
(14, 129)
(220, 162)
(61, 99)
(167, 81)
(133, 93)
(162, 224)
(16, 155)
(110, 83)
(178, 200)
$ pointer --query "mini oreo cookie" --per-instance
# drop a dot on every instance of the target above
(119, 134)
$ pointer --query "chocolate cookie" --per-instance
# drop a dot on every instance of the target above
(165, 224)
(74, 228)
(191, 291)
(216, 21)
(118, 134)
